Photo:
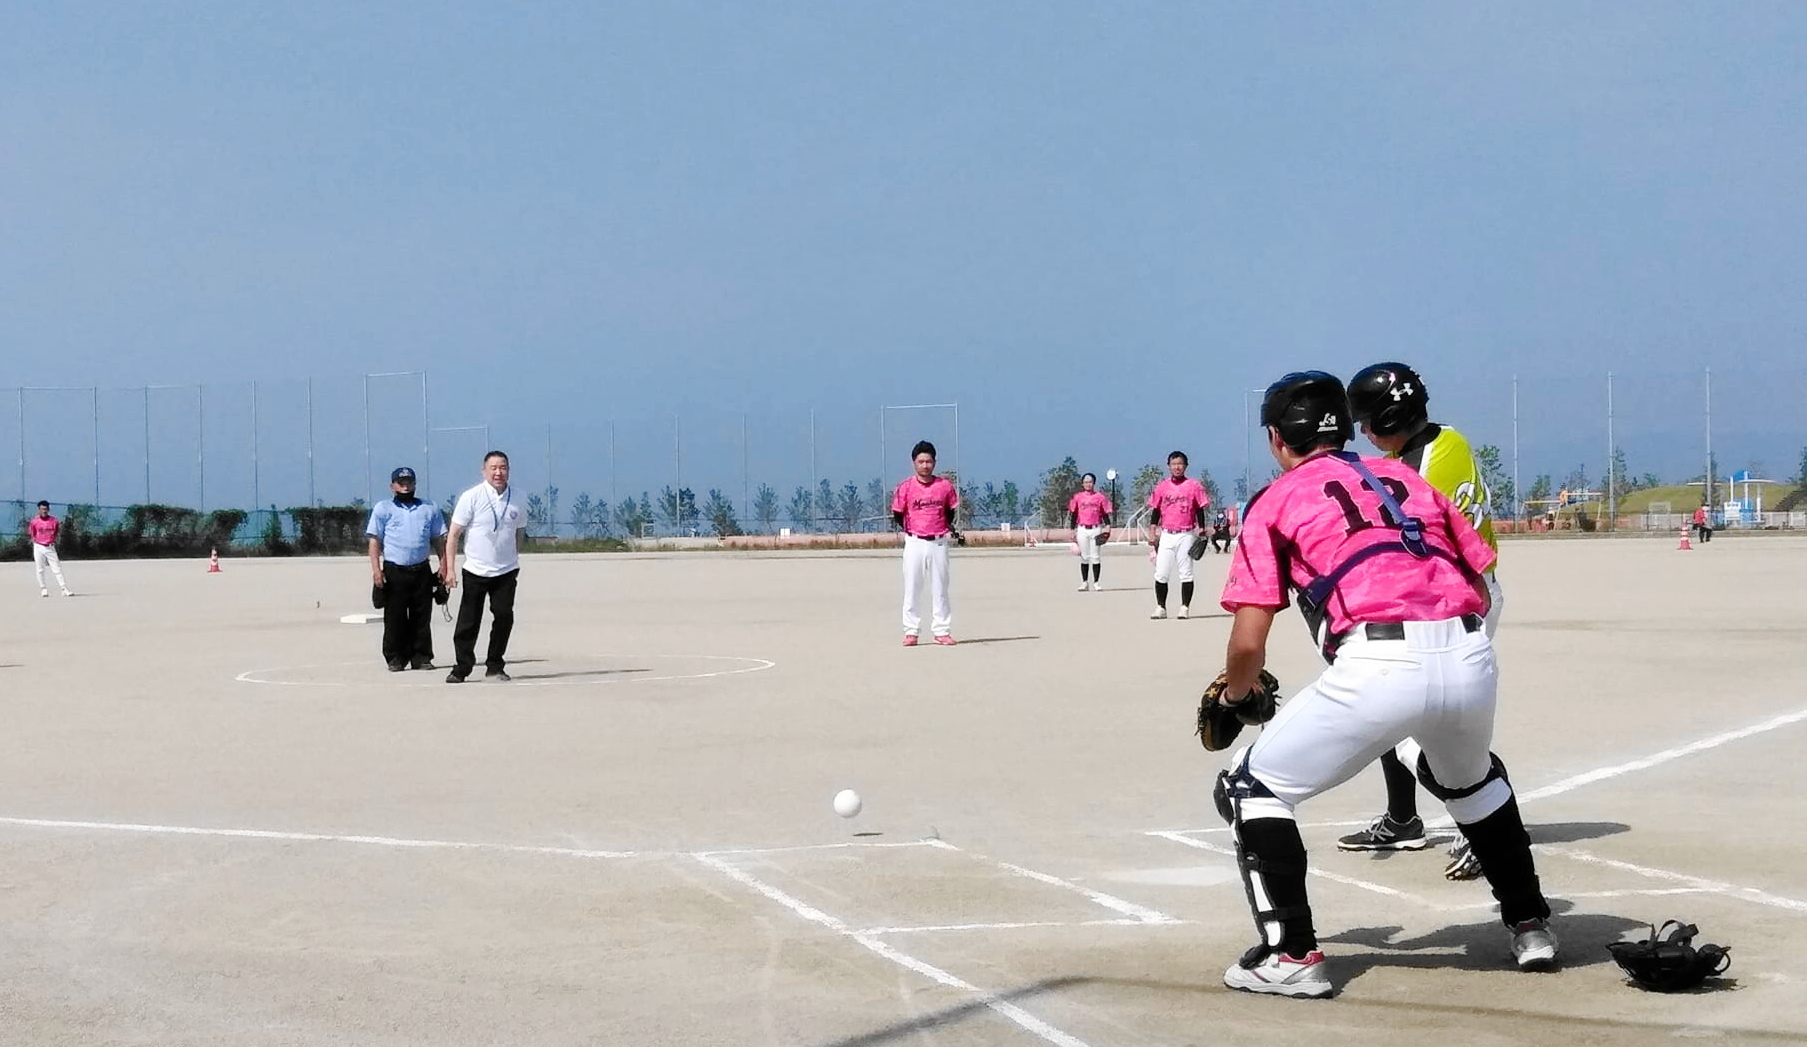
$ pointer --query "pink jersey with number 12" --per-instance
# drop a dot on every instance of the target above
(1318, 515)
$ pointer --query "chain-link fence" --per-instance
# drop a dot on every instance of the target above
(1563, 449)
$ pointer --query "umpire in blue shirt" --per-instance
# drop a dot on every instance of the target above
(402, 531)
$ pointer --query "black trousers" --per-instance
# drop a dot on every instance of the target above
(407, 613)
(500, 593)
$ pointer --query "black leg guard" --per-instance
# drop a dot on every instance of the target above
(1504, 850)
(1501, 845)
(1160, 593)
(1270, 855)
(1186, 594)
(1402, 788)
(1085, 571)
(1098, 572)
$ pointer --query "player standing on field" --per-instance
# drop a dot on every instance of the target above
(1089, 514)
(1179, 503)
(43, 530)
(923, 506)
(1389, 401)
(1387, 575)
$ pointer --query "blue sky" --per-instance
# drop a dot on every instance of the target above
(1094, 226)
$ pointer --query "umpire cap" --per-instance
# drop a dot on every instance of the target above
(1309, 409)
(1388, 398)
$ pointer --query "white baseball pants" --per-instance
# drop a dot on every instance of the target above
(1089, 549)
(46, 554)
(925, 560)
(1408, 750)
(1172, 550)
(1438, 685)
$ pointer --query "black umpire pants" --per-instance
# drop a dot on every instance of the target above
(500, 593)
(407, 613)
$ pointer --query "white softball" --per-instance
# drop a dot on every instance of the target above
(846, 803)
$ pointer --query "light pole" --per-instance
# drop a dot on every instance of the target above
(1111, 476)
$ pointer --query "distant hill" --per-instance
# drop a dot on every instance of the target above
(1683, 498)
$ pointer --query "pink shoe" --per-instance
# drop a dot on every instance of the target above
(909, 639)
(945, 641)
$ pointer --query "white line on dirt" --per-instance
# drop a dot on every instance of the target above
(1108, 901)
(992, 1001)
(375, 841)
(1347, 881)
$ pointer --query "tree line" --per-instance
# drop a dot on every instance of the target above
(829, 506)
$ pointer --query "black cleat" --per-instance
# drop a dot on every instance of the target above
(455, 677)
(498, 675)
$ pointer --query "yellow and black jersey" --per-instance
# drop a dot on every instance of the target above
(1442, 456)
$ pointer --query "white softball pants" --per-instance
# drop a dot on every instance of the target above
(1089, 549)
(46, 554)
(1408, 750)
(1438, 685)
(1172, 550)
(925, 560)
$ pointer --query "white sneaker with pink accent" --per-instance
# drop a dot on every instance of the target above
(1278, 974)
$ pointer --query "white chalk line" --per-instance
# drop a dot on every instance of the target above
(249, 675)
(1347, 881)
(407, 843)
(1136, 912)
(1018, 925)
(1713, 742)
(1695, 884)
(304, 837)
(990, 1000)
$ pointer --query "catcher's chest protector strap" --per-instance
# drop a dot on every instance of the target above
(1314, 596)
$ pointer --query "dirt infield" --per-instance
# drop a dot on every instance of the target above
(225, 823)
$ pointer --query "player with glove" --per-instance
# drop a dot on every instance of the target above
(1178, 503)
(1387, 576)
(1089, 514)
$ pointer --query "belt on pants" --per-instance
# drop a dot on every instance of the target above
(1177, 530)
(1396, 630)
(421, 566)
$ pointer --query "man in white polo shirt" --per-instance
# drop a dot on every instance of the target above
(491, 525)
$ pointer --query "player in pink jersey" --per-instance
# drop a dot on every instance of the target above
(923, 508)
(1178, 503)
(43, 530)
(1387, 573)
(1089, 514)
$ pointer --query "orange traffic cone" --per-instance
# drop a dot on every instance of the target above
(213, 562)
(1685, 544)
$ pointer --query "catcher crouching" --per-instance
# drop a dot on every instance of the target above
(1387, 574)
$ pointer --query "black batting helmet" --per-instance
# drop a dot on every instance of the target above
(1310, 410)
(1388, 398)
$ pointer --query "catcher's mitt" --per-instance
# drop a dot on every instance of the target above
(1667, 961)
(1201, 544)
(1220, 722)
